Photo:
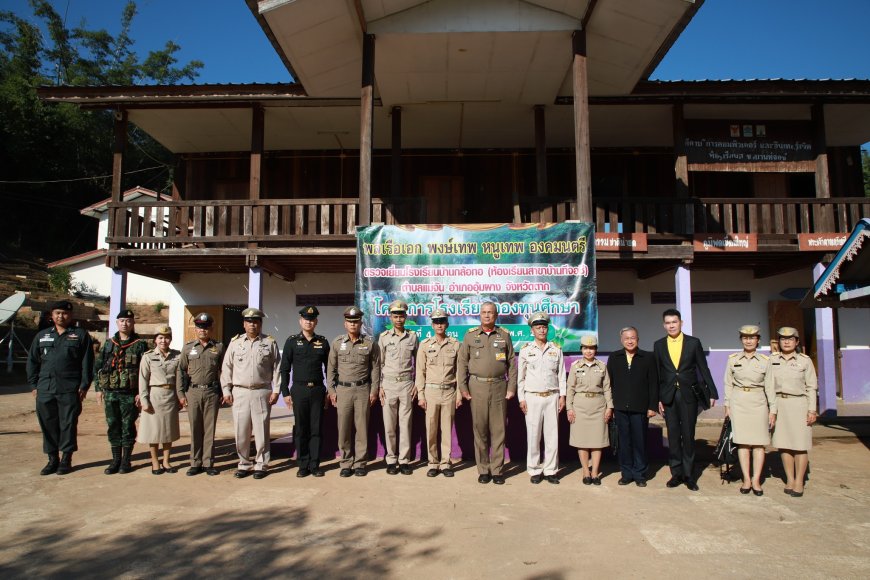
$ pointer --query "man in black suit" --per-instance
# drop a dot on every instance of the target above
(681, 365)
(634, 383)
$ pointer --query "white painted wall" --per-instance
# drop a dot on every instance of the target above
(103, 231)
(140, 289)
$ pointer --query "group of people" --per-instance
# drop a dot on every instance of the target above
(439, 374)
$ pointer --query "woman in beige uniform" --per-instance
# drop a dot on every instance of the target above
(590, 407)
(158, 384)
(751, 406)
(793, 378)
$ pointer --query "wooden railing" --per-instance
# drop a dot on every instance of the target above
(687, 216)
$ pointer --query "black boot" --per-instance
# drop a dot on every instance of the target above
(65, 464)
(115, 465)
(51, 466)
(126, 454)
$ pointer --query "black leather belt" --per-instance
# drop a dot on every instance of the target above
(353, 383)
(308, 384)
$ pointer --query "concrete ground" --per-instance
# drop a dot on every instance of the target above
(87, 524)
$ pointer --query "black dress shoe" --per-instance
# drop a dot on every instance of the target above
(498, 479)
(360, 472)
(554, 480)
(622, 481)
(303, 472)
(757, 492)
(317, 472)
(691, 485)
(195, 471)
(345, 472)
(65, 465)
(432, 473)
(211, 471)
(745, 490)
(172, 469)
(160, 471)
(406, 469)
(447, 472)
(51, 466)
(641, 482)
(794, 493)
(536, 479)
(392, 469)
(484, 478)
(241, 474)
(596, 480)
(260, 474)
(675, 481)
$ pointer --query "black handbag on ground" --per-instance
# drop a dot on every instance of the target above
(725, 453)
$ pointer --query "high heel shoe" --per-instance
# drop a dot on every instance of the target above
(160, 471)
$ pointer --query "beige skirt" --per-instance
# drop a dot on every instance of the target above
(749, 417)
(161, 426)
(589, 431)
(791, 431)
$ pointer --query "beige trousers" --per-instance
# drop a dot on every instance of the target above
(440, 411)
(251, 411)
(353, 415)
(542, 414)
(397, 417)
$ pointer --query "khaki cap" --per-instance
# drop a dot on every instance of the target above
(353, 313)
(788, 332)
(164, 330)
(439, 314)
(252, 313)
(589, 340)
(750, 330)
(539, 318)
(398, 306)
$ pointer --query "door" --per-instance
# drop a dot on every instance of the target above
(216, 312)
(443, 195)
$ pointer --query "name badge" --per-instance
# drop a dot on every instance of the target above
(500, 356)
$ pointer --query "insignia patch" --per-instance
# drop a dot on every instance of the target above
(193, 352)
(343, 346)
(46, 339)
(500, 356)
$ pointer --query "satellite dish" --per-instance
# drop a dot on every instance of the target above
(9, 307)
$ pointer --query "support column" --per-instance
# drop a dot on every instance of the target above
(540, 150)
(581, 129)
(683, 285)
(255, 288)
(826, 355)
(823, 181)
(396, 154)
(118, 218)
(117, 298)
(258, 119)
(365, 133)
(681, 164)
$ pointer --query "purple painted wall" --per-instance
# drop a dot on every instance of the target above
(855, 373)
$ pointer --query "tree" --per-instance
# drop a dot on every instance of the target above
(57, 159)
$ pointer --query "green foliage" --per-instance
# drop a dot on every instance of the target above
(865, 166)
(44, 145)
(158, 308)
(60, 279)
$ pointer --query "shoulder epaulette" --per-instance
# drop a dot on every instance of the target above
(191, 341)
(763, 356)
(236, 337)
(733, 354)
(803, 355)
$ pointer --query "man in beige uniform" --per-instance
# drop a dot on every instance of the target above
(398, 348)
(487, 377)
(541, 389)
(250, 378)
(353, 373)
(436, 389)
(200, 368)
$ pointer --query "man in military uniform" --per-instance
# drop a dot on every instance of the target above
(436, 389)
(117, 385)
(353, 374)
(541, 390)
(250, 380)
(200, 368)
(305, 355)
(487, 377)
(59, 368)
(398, 349)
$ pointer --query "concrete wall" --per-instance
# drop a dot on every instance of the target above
(140, 289)
(854, 327)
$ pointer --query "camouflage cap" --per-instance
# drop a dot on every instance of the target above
(309, 313)
(352, 313)
(163, 330)
(61, 305)
(203, 320)
(252, 313)
(788, 332)
(589, 340)
(439, 315)
(750, 330)
(126, 313)
(398, 306)
(539, 318)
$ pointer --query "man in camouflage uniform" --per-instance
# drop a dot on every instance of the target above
(117, 386)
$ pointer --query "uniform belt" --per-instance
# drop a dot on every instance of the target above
(748, 389)
(353, 383)
(205, 386)
(397, 378)
(163, 386)
(542, 393)
(251, 387)
(308, 384)
(488, 379)
(788, 396)
(440, 385)
(590, 395)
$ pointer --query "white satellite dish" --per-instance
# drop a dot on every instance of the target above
(9, 307)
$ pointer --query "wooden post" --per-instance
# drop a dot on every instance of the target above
(540, 150)
(681, 165)
(515, 187)
(823, 181)
(581, 129)
(396, 154)
(365, 133)
(118, 148)
(257, 137)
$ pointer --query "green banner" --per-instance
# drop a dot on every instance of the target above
(522, 268)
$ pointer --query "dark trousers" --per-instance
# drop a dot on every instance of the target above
(632, 428)
(202, 413)
(307, 415)
(58, 416)
(488, 413)
(680, 417)
(121, 415)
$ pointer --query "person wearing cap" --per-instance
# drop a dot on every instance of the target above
(353, 373)
(398, 349)
(681, 361)
(159, 381)
(751, 405)
(200, 393)
(634, 386)
(117, 386)
(60, 363)
(487, 376)
(590, 408)
(792, 377)
(541, 390)
(436, 391)
(305, 355)
(250, 379)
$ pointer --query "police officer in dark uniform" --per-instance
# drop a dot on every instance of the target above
(200, 367)
(306, 355)
(117, 385)
(59, 369)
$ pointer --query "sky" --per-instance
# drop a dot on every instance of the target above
(727, 39)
